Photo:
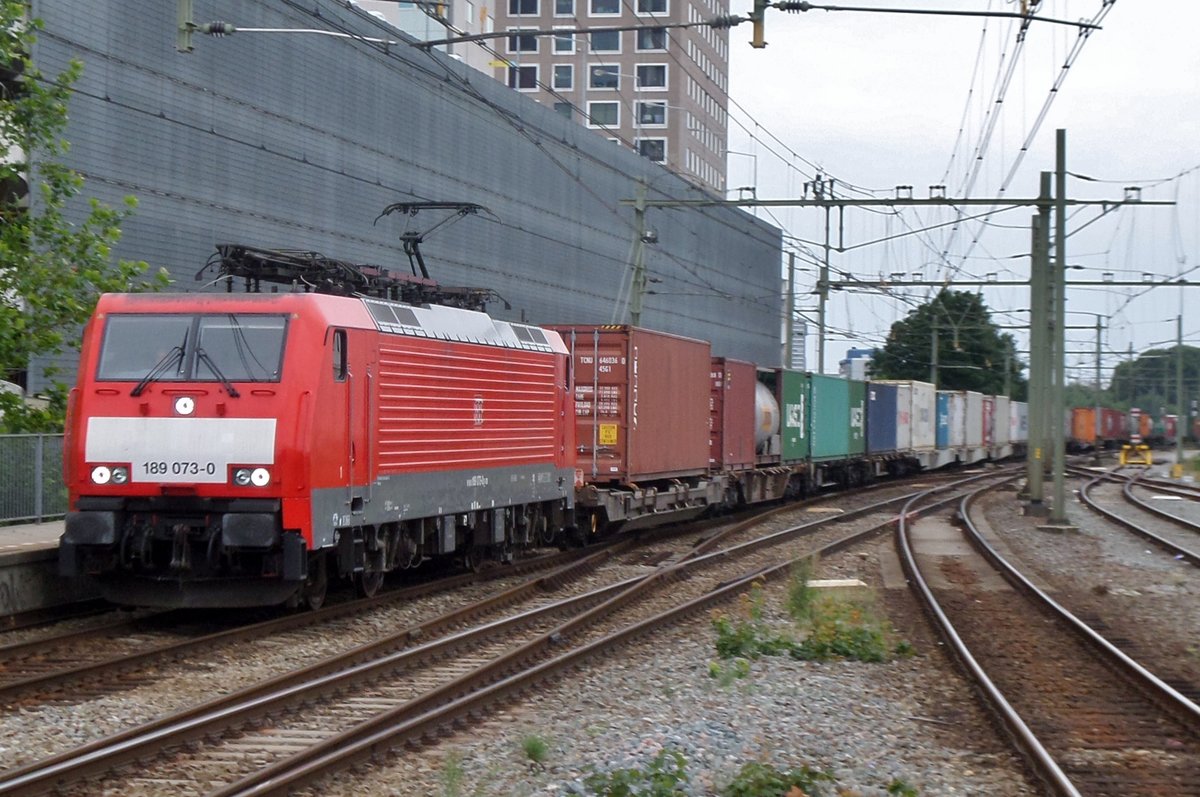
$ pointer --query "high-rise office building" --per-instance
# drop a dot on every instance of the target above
(658, 89)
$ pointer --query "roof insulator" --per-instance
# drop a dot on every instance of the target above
(727, 21)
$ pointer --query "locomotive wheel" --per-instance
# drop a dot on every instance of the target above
(367, 583)
(312, 594)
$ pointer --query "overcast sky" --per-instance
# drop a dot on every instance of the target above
(879, 100)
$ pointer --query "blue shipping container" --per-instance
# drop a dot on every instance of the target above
(943, 420)
(881, 417)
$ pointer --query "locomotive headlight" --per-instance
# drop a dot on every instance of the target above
(241, 477)
(101, 474)
(260, 477)
(120, 475)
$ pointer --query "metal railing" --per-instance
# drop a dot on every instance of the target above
(31, 480)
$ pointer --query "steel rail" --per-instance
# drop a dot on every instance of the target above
(362, 664)
(1190, 556)
(316, 679)
(475, 693)
(1159, 691)
(1156, 511)
(275, 625)
(1034, 753)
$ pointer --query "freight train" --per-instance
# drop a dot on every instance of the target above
(227, 450)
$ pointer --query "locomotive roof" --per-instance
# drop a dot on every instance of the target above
(426, 321)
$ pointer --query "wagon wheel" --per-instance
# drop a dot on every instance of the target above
(312, 594)
(473, 558)
(368, 582)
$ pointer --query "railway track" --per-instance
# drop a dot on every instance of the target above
(1177, 536)
(1086, 717)
(374, 702)
(110, 656)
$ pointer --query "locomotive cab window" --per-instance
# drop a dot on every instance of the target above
(235, 347)
(340, 368)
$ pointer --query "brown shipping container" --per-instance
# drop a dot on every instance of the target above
(641, 402)
(1083, 425)
(731, 438)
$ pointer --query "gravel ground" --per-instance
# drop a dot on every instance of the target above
(911, 719)
(1101, 571)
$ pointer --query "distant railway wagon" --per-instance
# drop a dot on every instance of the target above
(1018, 428)
(1117, 428)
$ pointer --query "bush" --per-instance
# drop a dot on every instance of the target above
(835, 629)
(763, 780)
(535, 748)
(662, 777)
(842, 631)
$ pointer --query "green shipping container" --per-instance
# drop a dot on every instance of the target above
(858, 418)
(791, 390)
(838, 406)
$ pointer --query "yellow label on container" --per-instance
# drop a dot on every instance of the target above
(608, 434)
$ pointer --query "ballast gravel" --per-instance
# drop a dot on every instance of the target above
(910, 721)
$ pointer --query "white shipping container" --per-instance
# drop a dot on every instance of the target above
(1000, 422)
(903, 416)
(924, 416)
(916, 414)
(974, 419)
(1018, 428)
(958, 419)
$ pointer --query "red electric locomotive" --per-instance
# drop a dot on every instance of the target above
(242, 449)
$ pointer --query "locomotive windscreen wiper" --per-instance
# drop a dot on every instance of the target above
(212, 366)
(175, 355)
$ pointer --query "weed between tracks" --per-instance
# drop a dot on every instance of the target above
(825, 627)
(822, 627)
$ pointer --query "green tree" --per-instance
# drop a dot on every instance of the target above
(971, 349)
(1148, 382)
(55, 249)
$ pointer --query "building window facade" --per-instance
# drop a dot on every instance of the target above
(605, 41)
(564, 43)
(653, 6)
(564, 77)
(523, 8)
(653, 148)
(652, 39)
(524, 43)
(604, 114)
(604, 77)
(604, 8)
(652, 76)
(564, 8)
(523, 78)
(565, 110)
(652, 114)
